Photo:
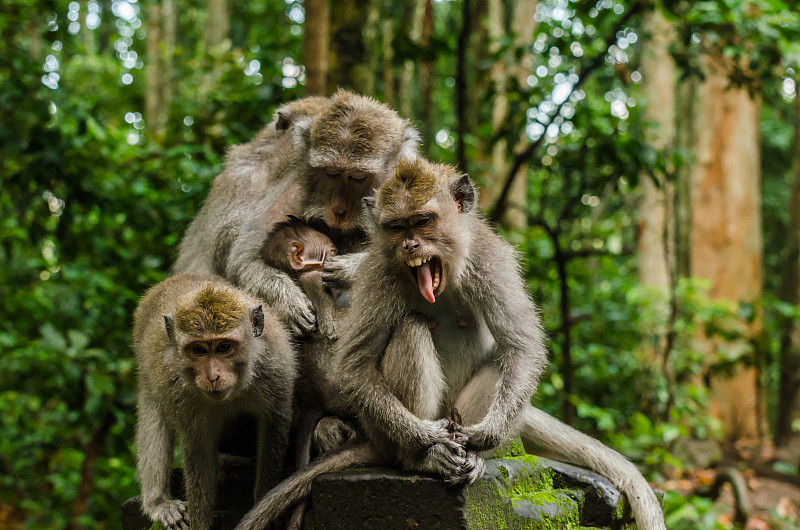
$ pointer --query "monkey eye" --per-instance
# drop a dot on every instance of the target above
(198, 350)
(224, 347)
(331, 172)
(422, 221)
(397, 227)
(358, 176)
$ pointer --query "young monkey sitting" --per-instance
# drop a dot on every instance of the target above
(300, 250)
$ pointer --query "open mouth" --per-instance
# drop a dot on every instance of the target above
(429, 275)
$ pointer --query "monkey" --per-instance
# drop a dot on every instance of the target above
(300, 250)
(206, 352)
(440, 294)
(314, 163)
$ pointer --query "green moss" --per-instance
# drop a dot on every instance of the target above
(559, 510)
(519, 494)
(510, 449)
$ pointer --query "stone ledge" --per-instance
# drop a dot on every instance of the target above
(516, 492)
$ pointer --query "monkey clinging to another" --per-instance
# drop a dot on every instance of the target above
(206, 352)
(441, 318)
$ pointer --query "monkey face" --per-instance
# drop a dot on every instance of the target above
(422, 248)
(421, 212)
(342, 191)
(213, 364)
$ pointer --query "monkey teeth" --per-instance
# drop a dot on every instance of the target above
(436, 279)
(416, 262)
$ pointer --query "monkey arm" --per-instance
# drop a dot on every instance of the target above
(273, 439)
(246, 269)
(519, 349)
(374, 400)
(323, 302)
(154, 444)
(339, 271)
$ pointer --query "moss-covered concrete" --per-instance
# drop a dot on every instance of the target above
(517, 493)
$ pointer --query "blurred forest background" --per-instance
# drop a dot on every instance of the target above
(644, 157)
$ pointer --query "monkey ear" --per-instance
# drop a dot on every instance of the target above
(369, 205)
(284, 120)
(169, 325)
(464, 193)
(296, 255)
(257, 320)
(301, 133)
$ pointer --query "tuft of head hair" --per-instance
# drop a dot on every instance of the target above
(355, 127)
(215, 310)
(415, 181)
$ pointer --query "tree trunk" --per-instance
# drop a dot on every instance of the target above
(523, 26)
(315, 46)
(461, 92)
(371, 42)
(348, 60)
(388, 62)
(658, 88)
(426, 74)
(170, 36)
(407, 76)
(218, 24)
(789, 385)
(154, 102)
(725, 225)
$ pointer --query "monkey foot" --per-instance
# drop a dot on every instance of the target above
(172, 515)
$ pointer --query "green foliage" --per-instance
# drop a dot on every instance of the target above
(90, 216)
(93, 206)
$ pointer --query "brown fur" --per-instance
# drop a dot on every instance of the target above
(214, 311)
(413, 181)
(191, 388)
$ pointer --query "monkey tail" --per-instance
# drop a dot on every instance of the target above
(298, 486)
(577, 448)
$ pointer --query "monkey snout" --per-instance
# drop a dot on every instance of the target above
(213, 379)
(410, 244)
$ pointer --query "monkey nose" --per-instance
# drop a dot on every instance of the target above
(213, 379)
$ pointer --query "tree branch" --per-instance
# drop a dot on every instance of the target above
(587, 66)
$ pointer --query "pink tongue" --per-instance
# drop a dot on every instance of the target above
(425, 281)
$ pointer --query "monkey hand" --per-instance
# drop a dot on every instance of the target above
(481, 437)
(293, 307)
(332, 433)
(171, 514)
(456, 465)
(338, 271)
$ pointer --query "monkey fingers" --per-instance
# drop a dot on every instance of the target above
(448, 460)
(472, 469)
(337, 271)
(297, 311)
(172, 515)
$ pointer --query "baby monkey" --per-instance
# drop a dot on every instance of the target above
(300, 250)
(206, 352)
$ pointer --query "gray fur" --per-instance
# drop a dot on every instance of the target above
(279, 174)
(488, 340)
(170, 403)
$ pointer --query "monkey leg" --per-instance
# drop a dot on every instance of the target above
(305, 432)
(572, 446)
(332, 433)
(200, 471)
(154, 444)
